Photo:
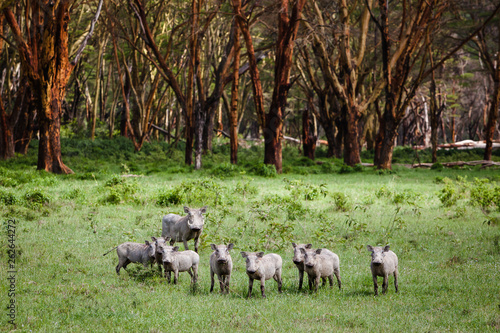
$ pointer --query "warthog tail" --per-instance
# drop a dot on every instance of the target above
(110, 250)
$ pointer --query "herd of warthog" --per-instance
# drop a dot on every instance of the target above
(317, 263)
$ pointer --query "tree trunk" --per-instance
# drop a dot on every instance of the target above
(495, 104)
(23, 131)
(233, 112)
(252, 61)
(287, 32)
(308, 138)
(7, 147)
(331, 138)
(351, 144)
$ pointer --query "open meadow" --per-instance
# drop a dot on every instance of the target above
(443, 224)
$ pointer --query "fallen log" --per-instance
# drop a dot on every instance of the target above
(483, 163)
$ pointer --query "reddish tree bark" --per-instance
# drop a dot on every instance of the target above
(48, 68)
(233, 112)
(287, 32)
(252, 60)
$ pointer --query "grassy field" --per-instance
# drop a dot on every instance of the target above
(443, 224)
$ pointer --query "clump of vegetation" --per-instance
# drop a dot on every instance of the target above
(225, 170)
(437, 166)
(173, 196)
(75, 193)
(265, 170)
(119, 189)
(342, 202)
(325, 234)
(344, 168)
(245, 188)
(299, 188)
(485, 195)
(204, 191)
(35, 198)
(384, 192)
(328, 168)
(449, 194)
(406, 197)
(8, 198)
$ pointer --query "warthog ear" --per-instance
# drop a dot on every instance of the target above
(386, 248)
(294, 245)
(153, 239)
(186, 209)
(230, 246)
(318, 251)
(175, 249)
(147, 243)
(308, 246)
(213, 247)
(370, 248)
(260, 254)
(167, 239)
(244, 254)
(203, 209)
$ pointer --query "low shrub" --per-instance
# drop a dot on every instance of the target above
(341, 201)
(265, 170)
(8, 198)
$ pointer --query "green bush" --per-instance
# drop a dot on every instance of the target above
(172, 196)
(119, 189)
(36, 198)
(383, 192)
(484, 194)
(437, 166)
(245, 188)
(328, 167)
(406, 197)
(341, 201)
(8, 198)
(344, 168)
(225, 170)
(265, 170)
(298, 189)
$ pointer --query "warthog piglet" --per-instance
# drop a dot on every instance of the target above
(321, 263)
(384, 263)
(221, 265)
(262, 267)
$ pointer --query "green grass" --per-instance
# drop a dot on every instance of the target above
(449, 255)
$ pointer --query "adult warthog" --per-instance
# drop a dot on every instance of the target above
(183, 228)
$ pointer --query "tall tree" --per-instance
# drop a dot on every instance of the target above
(287, 33)
(492, 63)
(48, 70)
(233, 112)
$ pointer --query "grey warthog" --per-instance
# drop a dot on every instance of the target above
(134, 252)
(262, 267)
(298, 260)
(159, 242)
(183, 228)
(221, 265)
(321, 263)
(179, 261)
(384, 263)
